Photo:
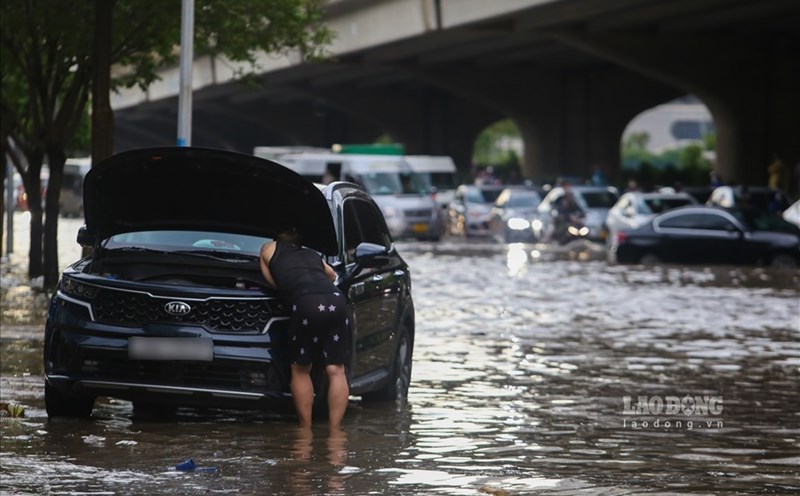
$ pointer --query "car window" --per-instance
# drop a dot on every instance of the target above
(363, 223)
(598, 199)
(523, 199)
(413, 183)
(382, 183)
(490, 195)
(187, 240)
(658, 205)
(706, 221)
(476, 196)
(443, 180)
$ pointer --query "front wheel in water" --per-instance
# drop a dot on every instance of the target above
(650, 259)
(400, 380)
(58, 404)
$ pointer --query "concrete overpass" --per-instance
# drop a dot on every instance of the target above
(571, 74)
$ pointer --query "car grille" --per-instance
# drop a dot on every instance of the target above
(235, 375)
(214, 314)
(230, 376)
(418, 213)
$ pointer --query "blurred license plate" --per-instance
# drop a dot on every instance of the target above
(145, 348)
(420, 227)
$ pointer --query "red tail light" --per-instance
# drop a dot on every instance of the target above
(621, 237)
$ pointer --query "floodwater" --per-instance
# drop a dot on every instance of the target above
(535, 372)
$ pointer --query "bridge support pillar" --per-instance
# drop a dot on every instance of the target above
(749, 84)
(570, 120)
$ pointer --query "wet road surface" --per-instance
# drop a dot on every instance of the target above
(535, 372)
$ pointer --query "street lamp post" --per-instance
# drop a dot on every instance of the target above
(185, 95)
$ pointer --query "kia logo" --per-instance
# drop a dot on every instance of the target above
(177, 308)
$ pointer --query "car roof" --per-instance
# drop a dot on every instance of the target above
(656, 194)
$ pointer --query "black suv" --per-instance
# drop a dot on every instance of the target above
(171, 309)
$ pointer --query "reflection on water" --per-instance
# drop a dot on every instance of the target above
(536, 371)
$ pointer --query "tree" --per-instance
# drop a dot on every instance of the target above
(54, 55)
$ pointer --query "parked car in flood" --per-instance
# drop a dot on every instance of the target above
(171, 308)
(470, 211)
(701, 234)
(512, 213)
(635, 208)
(594, 201)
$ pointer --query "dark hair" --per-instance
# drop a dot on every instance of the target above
(291, 237)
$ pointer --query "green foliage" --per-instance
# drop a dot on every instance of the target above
(145, 38)
(685, 165)
(46, 68)
(491, 147)
(710, 141)
(636, 142)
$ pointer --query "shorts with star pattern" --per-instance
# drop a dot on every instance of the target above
(319, 330)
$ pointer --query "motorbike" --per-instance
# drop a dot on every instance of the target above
(567, 227)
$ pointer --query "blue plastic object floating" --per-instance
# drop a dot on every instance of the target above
(190, 466)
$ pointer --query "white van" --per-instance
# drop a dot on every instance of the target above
(439, 172)
(403, 197)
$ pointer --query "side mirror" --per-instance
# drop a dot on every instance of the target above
(371, 255)
(85, 237)
(734, 230)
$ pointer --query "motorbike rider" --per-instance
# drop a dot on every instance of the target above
(565, 212)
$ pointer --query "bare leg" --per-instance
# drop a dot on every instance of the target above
(338, 394)
(302, 393)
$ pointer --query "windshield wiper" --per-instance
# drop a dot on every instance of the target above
(218, 255)
(222, 255)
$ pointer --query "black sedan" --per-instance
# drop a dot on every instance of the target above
(710, 235)
(171, 309)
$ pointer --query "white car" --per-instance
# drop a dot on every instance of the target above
(636, 208)
(470, 212)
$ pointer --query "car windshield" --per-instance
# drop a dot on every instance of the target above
(439, 180)
(598, 199)
(194, 241)
(394, 183)
(764, 221)
(523, 199)
(478, 195)
(658, 205)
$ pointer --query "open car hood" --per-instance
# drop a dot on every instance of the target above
(185, 188)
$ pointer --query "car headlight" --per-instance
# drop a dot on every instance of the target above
(537, 225)
(74, 288)
(518, 224)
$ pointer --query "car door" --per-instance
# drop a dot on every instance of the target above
(374, 293)
(699, 237)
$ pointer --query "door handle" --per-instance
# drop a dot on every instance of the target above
(399, 273)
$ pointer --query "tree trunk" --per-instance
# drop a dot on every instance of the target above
(102, 115)
(57, 157)
(33, 188)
